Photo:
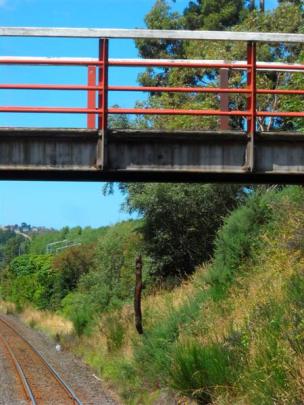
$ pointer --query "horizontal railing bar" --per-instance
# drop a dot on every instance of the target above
(65, 110)
(238, 65)
(215, 90)
(203, 90)
(285, 67)
(178, 89)
(123, 88)
(6, 60)
(123, 62)
(48, 87)
(201, 112)
(150, 34)
(148, 111)
(169, 111)
(280, 91)
(177, 63)
(280, 114)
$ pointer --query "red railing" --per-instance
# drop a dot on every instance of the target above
(97, 87)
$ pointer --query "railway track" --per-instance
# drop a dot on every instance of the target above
(41, 383)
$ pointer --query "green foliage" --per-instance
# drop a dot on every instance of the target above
(153, 354)
(236, 241)
(79, 310)
(11, 245)
(77, 234)
(197, 369)
(70, 265)
(210, 14)
(180, 221)
(213, 14)
(30, 279)
(104, 277)
(222, 15)
(160, 17)
(113, 329)
(180, 349)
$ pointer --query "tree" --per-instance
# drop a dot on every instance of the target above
(213, 14)
(110, 280)
(221, 15)
(14, 247)
(30, 279)
(180, 222)
(70, 265)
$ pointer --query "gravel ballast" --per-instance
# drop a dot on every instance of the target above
(74, 372)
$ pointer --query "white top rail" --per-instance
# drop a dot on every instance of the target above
(150, 34)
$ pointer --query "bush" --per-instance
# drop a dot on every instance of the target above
(110, 282)
(31, 279)
(238, 238)
(197, 369)
(113, 329)
(80, 311)
(81, 320)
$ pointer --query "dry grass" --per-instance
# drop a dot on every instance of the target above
(261, 283)
(48, 322)
(7, 308)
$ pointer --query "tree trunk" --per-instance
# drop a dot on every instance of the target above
(262, 6)
(251, 5)
(137, 296)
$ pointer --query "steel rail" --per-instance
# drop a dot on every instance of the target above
(53, 372)
(27, 389)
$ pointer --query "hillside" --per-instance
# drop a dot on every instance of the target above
(231, 334)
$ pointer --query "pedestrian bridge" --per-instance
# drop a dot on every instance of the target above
(98, 152)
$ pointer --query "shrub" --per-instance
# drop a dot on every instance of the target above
(81, 320)
(113, 329)
(197, 369)
(80, 311)
(238, 238)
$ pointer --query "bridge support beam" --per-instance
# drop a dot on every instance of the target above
(73, 154)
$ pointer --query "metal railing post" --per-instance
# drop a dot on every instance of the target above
(251, 83)
(91, 118)
(224, 98)
(101, 159)
(103, 84)
(251, 103)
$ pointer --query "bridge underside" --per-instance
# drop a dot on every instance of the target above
(150, 155)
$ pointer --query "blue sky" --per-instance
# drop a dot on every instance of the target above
(55, 204)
